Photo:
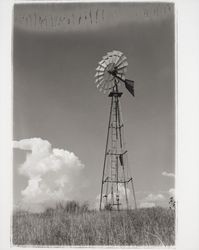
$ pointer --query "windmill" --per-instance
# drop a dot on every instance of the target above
(116, 177)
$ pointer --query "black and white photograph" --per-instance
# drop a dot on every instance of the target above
(93, 124)
(99, 124)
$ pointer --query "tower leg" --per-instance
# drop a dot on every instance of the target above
(107, 139)
(125, 189)
(121, 146)
(134, 193)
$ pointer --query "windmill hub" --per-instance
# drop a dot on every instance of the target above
(116, 176)
(107, 75)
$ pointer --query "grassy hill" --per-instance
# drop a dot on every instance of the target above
(67, 225)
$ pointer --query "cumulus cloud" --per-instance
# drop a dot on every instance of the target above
(147, 204)
(172, 192)
(154, 197)
(52, 174)
(151, 200)
(122, 197)
(172, 175)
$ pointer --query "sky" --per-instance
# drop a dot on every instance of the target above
(56, 48)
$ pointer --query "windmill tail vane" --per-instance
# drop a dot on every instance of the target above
(130, 86)
(117, 180)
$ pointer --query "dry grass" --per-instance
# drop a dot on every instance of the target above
(60, 226)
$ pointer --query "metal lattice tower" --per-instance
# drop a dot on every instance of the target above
(117, 183)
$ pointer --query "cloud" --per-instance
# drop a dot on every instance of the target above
(147, 204)
(151, 200)
(122, 197)
(172, 192)
(168, 174)
(53, 174)
(154, 197)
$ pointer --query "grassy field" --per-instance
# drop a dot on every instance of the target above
(63, 226)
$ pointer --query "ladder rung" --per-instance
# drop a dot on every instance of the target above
(108, 153)
(117, 126)
(112, 181)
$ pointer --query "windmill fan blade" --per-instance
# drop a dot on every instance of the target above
(99, 74)
(123, 65)
(118, 53)
(97, 80)
(121, 75)
(108, 60)
(114, 59)
(99, 68)
(130, 86)
(105, 58)
(103, 64)
(100, 84)
(122, 71)
(121, 60)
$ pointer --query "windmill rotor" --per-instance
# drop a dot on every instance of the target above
(111, 71)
